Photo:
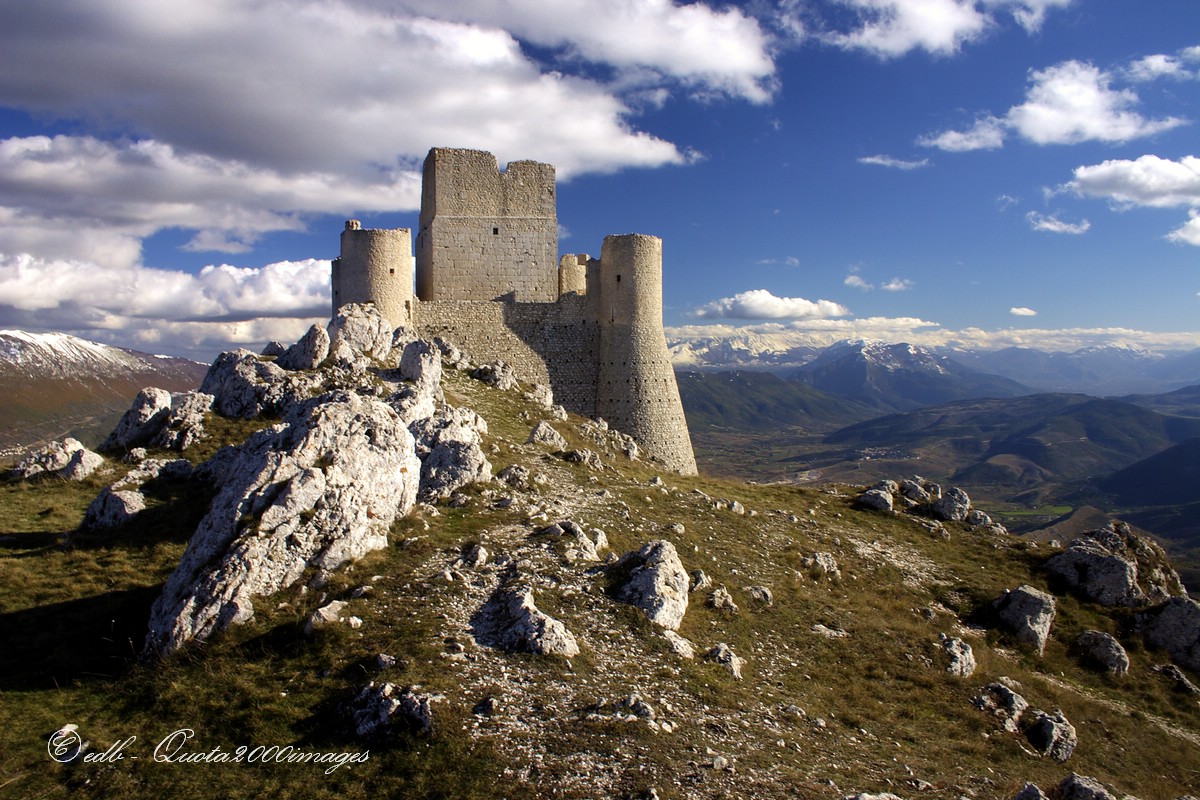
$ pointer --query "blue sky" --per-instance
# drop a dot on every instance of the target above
(984, 172)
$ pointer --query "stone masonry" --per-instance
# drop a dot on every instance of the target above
(488, 279)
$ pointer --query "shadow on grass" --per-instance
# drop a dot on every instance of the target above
(92, 638)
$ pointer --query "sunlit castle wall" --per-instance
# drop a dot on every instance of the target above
(636, 390)
(486, 234)
(376, 266)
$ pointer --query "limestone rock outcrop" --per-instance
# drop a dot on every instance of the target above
(962, 658)
(1102, 649)
(315, 492)
(658, 584)
(1028, 613)
(358, 335)
(450, 445)
(1052, 735)
(1175, 627)
(1115, 567)
(68, 459)
(512, 621)
(379, 707)
(184, 424)
(242, 385)
(142, 421)
(309, 352)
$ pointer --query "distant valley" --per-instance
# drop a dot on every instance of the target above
(860, 411)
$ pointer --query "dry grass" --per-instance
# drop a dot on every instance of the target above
(879, 711)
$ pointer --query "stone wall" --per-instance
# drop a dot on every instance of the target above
(376, 266)
(636, 390)
(486, 234)
(554, 344)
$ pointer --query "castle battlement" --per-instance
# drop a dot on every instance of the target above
(487, 277)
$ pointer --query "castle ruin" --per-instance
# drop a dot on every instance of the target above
(487, 278)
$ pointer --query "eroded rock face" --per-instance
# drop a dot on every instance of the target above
(962, 658)
(1175, 627)
(308, 353)
(658, 584)
(312, 493)
(68, 459)
(1052, 735)
(1028, 613)
(450, 446)
(184, 425)
(142, 421)
(1102, 649)
(358, 334)
(1002, 702)
(1115, 567)
(244, 386)
(953, 506)
(512, 621)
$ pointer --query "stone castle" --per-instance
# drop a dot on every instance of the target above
(488, 278)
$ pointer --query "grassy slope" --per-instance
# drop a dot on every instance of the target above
(893, 718)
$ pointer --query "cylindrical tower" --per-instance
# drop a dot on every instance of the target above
(572, 274)
(376, 266)
(636, 390)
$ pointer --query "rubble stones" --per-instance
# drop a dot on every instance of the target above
(326, 614)
(512, 621)
(310, 494)
(819, 564)
(1002, 702)
(1052, 735)
(498, 374)
(962, 658)
(544, 433)
(658, 583)
(1028, 613)
(1115, 567)
(1080, 787)
(1101, 648)
(68, 459)
(1175, 627)
(723, 654)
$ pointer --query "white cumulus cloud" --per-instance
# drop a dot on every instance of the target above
(762, 304)
(1021, 311)
(1189, 232)
(1145, 181)
(156, 308)
(1066, 103)
(1052, 224)
(890, 28)
(858, 282)
(897, 285)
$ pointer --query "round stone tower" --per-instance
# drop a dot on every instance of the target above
(376, 266)
(636, 391)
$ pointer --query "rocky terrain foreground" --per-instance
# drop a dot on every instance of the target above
(365, 544)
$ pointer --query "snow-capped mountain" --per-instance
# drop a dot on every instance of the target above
(52, 384)
(1115, 368)
(899, 376)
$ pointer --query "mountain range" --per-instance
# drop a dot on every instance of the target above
(1108, 369)
(56, 385)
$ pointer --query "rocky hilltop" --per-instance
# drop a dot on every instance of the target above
(366, 544)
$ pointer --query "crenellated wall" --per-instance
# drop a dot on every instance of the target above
(488, 279)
